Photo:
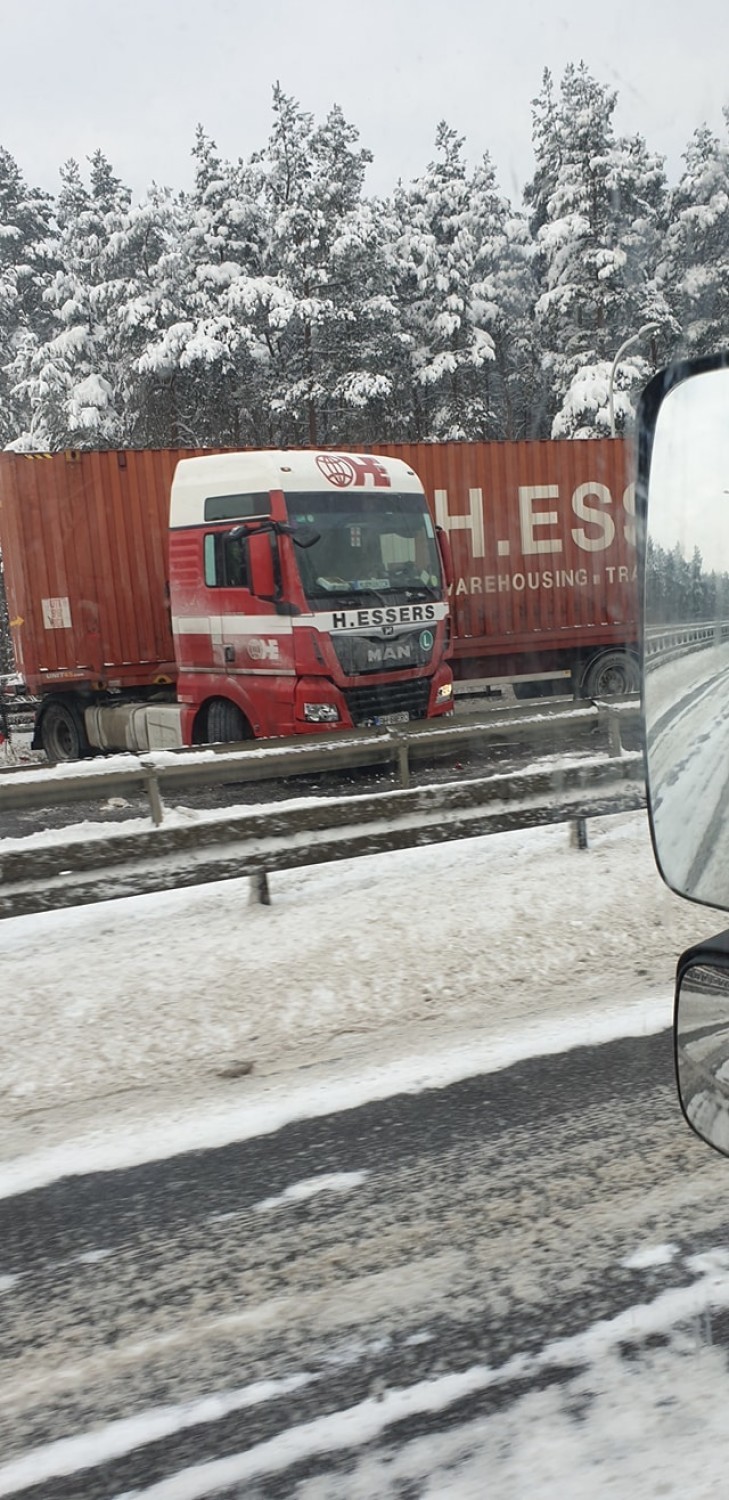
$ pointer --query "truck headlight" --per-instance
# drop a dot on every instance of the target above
(321, 713)
(444, 693)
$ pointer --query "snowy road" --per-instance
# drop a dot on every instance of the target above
(502, 1285)
(687, 711)
(349, 1219)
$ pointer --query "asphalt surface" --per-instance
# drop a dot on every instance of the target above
(473, 1224)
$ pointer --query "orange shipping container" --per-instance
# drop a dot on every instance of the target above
(84, 541)
(543, 541)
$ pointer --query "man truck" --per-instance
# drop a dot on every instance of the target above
(159, 601)
(167, 598)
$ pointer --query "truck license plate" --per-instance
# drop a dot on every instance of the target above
(401, 718)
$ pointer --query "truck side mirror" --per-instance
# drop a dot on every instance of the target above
(446, 556)
(701, 1040)
(682, 499)
(261, 565)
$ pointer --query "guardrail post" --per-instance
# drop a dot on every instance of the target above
(151, 785)
(260, 893)
(608, 718)
(579, 833)
(403, 759)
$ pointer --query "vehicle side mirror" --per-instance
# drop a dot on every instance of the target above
(682, 499)
(260, 547)
(446, 556)
(701, 1040)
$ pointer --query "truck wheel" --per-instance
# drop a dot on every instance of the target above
(61, 733)
(226, 724)
(613, 673)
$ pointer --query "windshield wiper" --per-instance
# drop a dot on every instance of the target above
(357, 595)
(360, 597)
(421, 591)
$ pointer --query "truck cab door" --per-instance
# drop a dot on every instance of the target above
(249, 636)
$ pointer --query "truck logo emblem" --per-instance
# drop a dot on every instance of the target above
(344, 469)
(262, 650)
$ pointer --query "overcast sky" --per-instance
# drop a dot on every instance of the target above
(689, 478)
(135, 76)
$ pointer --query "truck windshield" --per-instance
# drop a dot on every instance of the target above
(378, 545)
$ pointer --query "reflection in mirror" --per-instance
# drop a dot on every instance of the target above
(686, 686)
(702, 1051)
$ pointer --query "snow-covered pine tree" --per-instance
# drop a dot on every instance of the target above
(503, 300)
(27, 261)
(198, 363)
(463, 266)
(322, 297)
(141, 262)
(71, 378)
(695, 267)
(442, 296)
(598, 208)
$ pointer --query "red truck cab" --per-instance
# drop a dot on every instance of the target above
(307, 592)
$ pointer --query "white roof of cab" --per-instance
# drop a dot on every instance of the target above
(299, 470)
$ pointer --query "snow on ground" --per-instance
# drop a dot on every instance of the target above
(650, 1427)
(396, 971)
(310, 1187)
(634, 1405)
(69, 1455)
(186, 1018)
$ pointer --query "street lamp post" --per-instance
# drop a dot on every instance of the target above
(634, 338)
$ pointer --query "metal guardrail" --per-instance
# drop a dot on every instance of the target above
(663, 643)
(255, 844)
(169, 772)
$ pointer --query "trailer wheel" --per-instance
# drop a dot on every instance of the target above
(226, 723)
(62, 733)
(611, 674)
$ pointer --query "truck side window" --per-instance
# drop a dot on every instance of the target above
(225, 562)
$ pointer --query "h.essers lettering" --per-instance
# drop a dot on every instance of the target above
(591, 504)
(403, 614)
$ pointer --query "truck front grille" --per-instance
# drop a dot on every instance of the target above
(369, 704)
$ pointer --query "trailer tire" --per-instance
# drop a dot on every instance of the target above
(226, 724)
(61, 732)
(611, 674)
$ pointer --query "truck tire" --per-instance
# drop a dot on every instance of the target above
(226, 723)
(610, 674)
(62, 734)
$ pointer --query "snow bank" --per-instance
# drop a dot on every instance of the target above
(396, 955)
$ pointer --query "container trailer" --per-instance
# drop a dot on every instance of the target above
(544, 557)
(166, 598)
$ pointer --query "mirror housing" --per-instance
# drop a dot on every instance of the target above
(701, 1039)
(682, 508)
(260, 545)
